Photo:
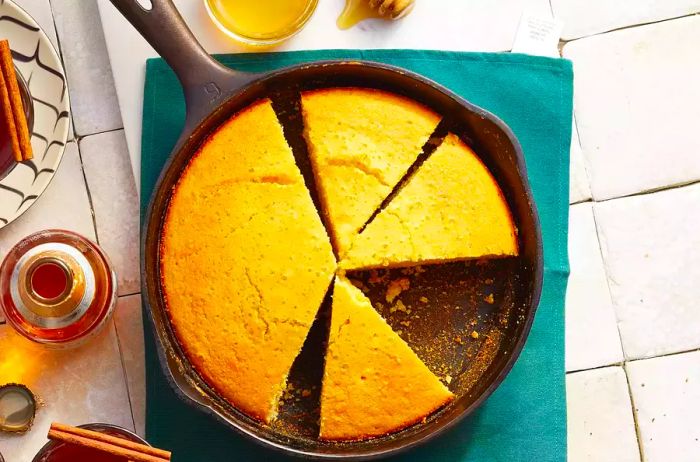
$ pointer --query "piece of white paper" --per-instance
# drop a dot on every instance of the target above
(538, 35)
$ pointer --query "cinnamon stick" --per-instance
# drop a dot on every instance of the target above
(8, 119)
(106, 443)
(17, 109)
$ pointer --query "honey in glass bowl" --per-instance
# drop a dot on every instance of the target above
(260, 22)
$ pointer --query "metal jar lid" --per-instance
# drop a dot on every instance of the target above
(17, 408)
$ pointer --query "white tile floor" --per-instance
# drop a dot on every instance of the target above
(90, 82)
(128, 321)
(579, 187)
(113, 193)
(600, 421)
(636, 93)
(651, 247)
(666, 394)
(587, 17)
(633, 289)
(589, 310)
(75, 387)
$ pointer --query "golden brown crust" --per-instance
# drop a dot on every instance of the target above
(361, 142)
(419, 108)
(373, 383)
(229, 327)
(239, 299)
(453, 196)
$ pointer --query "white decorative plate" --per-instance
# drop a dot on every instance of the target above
(38, 63)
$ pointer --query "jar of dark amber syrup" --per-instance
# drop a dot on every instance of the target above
(57, 288)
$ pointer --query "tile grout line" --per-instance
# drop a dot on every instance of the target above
(55, 29)
(595, 368)
(634, 360)
(582, 201)
(663, 355)
(126, 379)
(637, 430)
(131, 294)
(647, 192)
(89, 194)
(586, 167)
(71, 135)
(631, 26)
(607, 280)
(635, 420)
(101, 132)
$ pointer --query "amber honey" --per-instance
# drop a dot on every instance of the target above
(356, 11)
(260, 22)
(57, 288)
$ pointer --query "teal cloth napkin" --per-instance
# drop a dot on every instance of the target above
(525, 419)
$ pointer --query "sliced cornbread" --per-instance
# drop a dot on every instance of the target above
(241, 299)
(373, 383)
(450, 209)
(361, 142)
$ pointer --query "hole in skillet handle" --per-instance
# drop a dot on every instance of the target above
(145, 4)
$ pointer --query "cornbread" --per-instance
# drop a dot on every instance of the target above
(241, 299)
(450, 209)
(373, 383)
(361, 142)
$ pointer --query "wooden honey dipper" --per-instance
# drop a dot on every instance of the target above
(393, 9)
(358, 10)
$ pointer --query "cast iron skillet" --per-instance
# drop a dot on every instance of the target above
(212, 94)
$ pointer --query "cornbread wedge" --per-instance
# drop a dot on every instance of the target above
(450, 209)
(361, 142)
(373, 383)
(241, 299)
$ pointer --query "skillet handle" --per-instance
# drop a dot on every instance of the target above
(205, 82)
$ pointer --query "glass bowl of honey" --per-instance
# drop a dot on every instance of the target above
(260, 22)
